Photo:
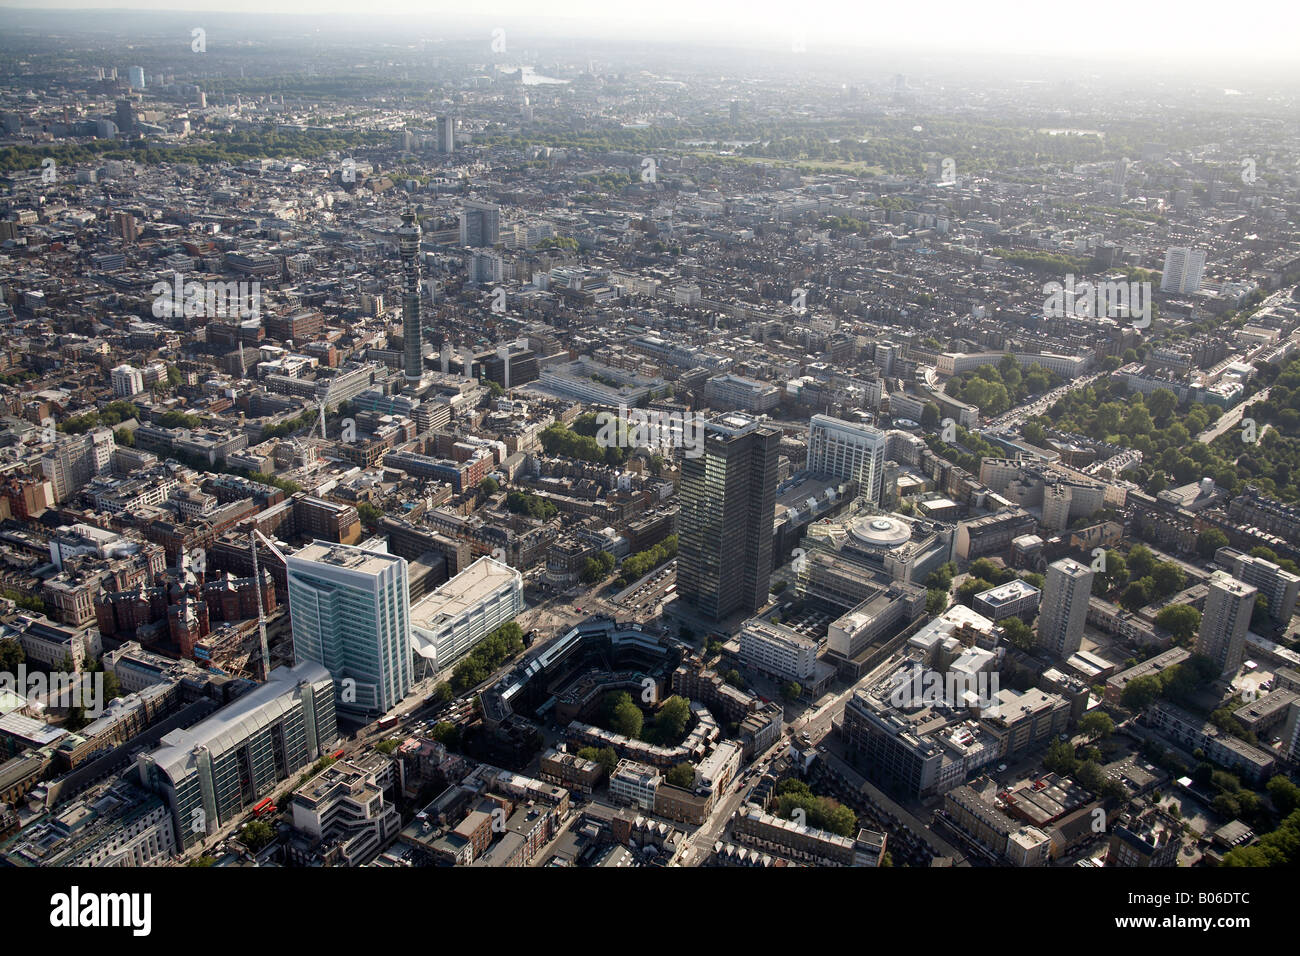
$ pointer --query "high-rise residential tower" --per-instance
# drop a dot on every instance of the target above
(1184, 268)
(728, 505)
(848, 450)
(408, 239)
(350, 609)
(1065, 607)
(1280, 588)
(446, 134)
(480, 224)
(1228, 607)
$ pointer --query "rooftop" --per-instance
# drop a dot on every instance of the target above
(344, 556)
(462, 593)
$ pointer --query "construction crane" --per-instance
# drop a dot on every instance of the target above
(323, 434)
(253, 537)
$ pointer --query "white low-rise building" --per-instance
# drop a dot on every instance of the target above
(447, 623)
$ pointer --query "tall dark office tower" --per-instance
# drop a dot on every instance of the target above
(480, 224)
(728, 504)
(408, 239)
(125, 117)
(446, 134)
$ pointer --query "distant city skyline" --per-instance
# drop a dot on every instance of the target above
(1106, 33)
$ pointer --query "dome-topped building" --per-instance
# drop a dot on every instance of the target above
(889, 547)
(880, 531)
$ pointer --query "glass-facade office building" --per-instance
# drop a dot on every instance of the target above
(350, 609)
(211, 772)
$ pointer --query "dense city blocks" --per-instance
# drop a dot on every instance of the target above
(648, 439)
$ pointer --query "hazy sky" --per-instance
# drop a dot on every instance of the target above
(1097, 30)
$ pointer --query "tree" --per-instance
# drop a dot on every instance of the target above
(369, 514)
(1114, 574)
(76, 718)
(1223, 718)
(941, 577)
(643, 562)
(112, 688)
(11, 655)
(791, 690)
(256, 834)
(1168, 578)
(1141, 692)
(1137, 595)
(1141, 561)
(607, 757)
(970, 587)
(671, 721)
(447, 734)
(1096, 725)
(624, 717)
(821, 812)
(1019, 633)
(936, 601)
(1034, 433)
(1161, 404)
(1138, 420)
(592, 571)
(1037, 380)
(28, 602)
(1260, 620)
(1284, 794)
(519, 502)
(178, 419)
(443, 694)
(1227, 805)
(489, 486)
(1281, 847)
(682, 775)
(989, 571)
(1060, 758)
(1090, 776)
(1180, 620)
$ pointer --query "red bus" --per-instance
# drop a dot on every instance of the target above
(265, 807)
(386, 721)
(338, 754)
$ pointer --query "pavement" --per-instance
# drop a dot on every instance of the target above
(1231, 417)
(1018, 415)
